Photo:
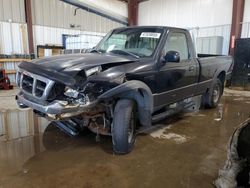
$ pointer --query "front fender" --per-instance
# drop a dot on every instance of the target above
(139, 92)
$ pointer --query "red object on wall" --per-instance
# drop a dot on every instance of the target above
(4, 80)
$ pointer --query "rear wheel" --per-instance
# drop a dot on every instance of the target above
(124, 124)
(212, 98)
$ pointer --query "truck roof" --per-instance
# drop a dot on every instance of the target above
(155, 27)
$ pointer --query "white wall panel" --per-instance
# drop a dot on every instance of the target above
(245, 33)
(222, 30)
(86, 40)
(246, 17)
(50, 35)
(207, 17)
(55, 13)
(11, 38)
(185, 13)
(51, 19)
(12, 10)
(114, 6)
(246, 20)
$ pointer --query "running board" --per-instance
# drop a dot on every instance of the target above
(170, 112)
(164, 115)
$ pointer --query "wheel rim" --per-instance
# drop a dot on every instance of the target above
(216, 93)
(131, 128)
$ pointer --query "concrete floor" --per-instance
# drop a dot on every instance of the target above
(186, 151)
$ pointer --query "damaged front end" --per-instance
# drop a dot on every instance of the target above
(62, 101)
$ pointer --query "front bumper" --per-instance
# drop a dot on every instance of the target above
(55, 110)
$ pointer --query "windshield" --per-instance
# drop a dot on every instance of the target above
(140, 42)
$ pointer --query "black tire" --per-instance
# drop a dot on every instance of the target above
(124, 124)
(212, 98)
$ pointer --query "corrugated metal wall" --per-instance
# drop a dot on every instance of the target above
(188, 13)
(12, 10)
(13, 38)
(246, 17)
(246, 21)
(50, 35)
(51, 19)
(86, 40)
(205, 18)
(245, 30)
(221, 30)
(112, 6)
(55, 13)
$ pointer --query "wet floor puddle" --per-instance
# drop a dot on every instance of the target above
(165, 133)
(195, 143)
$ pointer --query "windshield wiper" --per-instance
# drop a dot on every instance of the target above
(125, 53)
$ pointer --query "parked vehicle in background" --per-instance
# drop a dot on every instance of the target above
(129, 79)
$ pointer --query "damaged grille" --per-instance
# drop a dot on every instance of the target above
(27, 83)
(34, 85)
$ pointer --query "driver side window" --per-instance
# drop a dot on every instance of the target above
(177, 42)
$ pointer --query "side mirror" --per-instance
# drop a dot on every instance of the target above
(172, 56)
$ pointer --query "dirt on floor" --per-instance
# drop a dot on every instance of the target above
(184, 151)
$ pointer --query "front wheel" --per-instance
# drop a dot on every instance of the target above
(212, 98)
(124, 124)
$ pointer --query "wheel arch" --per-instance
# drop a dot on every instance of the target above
(222, 77)
(137, 91)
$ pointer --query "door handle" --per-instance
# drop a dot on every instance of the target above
(191, 68)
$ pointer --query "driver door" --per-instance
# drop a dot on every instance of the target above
(176, 80)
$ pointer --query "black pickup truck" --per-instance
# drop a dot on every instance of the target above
(133, 75)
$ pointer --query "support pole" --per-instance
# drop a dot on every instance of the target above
(28, 17)
(237, 18)
(133, 12)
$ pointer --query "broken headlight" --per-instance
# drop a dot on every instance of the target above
(93, 70)
(94, 90)
(69, 92)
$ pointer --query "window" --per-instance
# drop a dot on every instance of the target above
(139, 41)
(116, 40)
(177, 42)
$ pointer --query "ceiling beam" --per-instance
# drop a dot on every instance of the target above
(101, 12)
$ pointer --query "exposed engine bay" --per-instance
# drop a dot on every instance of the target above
(57, 101)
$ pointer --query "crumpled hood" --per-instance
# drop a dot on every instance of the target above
(73, 63)
(63, 68)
